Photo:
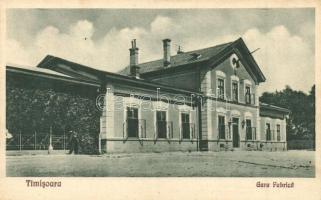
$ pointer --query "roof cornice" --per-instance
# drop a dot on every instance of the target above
(27, 72)
(56, 64)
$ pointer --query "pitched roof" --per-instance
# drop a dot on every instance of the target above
(273, 107)
(181, 59)
(210, 55)
(47, 74)
(35, 69)
(75, 70)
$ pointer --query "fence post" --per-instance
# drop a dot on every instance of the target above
(99, 143)
(35, 140)
(64, 138)
(50, 148)
(20, 141)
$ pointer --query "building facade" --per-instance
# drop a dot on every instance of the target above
(203, 100)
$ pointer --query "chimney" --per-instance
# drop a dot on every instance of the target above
(167, 52)
(180, 51)
(133, 61)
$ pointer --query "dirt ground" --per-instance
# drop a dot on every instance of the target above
(176, 164)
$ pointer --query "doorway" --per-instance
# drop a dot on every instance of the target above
(236, 135)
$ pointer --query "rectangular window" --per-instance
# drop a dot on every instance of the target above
(161, 124)
(249, 130)
(268, 132)
(186, 132)
(248, 95)
(278, 132)
(221, 127)
(220, 88)
(132, 122)
(235, 92)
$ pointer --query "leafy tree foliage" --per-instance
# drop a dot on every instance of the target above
(301, 122)
(32, 109)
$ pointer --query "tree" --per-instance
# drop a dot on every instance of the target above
(301, 122)
(34, 109)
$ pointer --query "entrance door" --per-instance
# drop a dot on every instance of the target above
(236, 135)
(161, 124)
(132, 122)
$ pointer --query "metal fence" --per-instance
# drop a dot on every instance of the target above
(36, 141)
(308, 144)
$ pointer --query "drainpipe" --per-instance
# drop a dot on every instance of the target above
(199, 112)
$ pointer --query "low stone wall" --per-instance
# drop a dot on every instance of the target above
(227, 145)
(273, 146)
(263, 146)
(163, 145)
(220, 145)
(160, 145)
(250, 145)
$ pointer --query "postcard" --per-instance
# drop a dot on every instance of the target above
(160, 100)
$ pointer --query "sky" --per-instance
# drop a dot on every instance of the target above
(100, 38)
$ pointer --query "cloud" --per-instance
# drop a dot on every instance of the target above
(285, 58)
(82, 29)
(162, 26)
(16, 53)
